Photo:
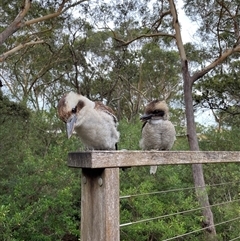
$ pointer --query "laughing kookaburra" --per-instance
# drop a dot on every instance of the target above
(94, 122)
(158, 133)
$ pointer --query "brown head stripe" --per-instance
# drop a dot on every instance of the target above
(151, 106)
(60, 107)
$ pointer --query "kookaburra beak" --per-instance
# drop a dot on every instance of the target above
(146, 117)
(70, 125)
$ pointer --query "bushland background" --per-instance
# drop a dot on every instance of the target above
(124, 54)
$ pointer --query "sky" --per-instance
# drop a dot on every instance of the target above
(188, 29)
(187, 26)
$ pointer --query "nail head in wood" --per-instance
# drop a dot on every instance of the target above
(100, 181)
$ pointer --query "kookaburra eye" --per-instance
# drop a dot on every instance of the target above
(158, 112)
(74, 110)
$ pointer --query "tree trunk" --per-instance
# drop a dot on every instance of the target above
(197, 169)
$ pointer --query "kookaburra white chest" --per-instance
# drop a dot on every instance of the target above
(94, 123)
(158, 133)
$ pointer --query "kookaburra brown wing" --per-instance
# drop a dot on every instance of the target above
(94, 122)
(158, 133)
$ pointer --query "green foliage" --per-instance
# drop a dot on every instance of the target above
(139, 181)
(144, 207)
(137, 206)
(38, 193)
(39, 203)
(207, 13)
(130, 133)
(14, 122)
(225, 174)
(221, 91)
(12, 110)
(227, 139)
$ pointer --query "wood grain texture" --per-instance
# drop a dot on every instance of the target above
(115, 159)
(100, 205)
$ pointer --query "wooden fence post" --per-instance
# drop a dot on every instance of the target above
(100, 204)
(100, 183)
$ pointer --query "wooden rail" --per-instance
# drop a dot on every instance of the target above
(100, 183)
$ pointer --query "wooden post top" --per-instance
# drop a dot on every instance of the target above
(116, 159)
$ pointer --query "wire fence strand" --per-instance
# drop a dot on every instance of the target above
(237, 238)
(202, 229)
(175, 190)
(173, 214)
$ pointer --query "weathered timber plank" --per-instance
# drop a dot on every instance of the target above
(103, 159)
(100, 205)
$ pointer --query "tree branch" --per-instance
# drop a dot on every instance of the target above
(19, 23)
(177, 29)
(216, 62)
(59, 11)
(125, 43)
(159, 21)
(16, 24)
(17, 48)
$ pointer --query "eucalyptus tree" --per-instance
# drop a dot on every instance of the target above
(34, 51)
(28, 17)
(219, 29)
(218, 23)
(219, 92)
(160, 71)
(75, 62)
(121, 77)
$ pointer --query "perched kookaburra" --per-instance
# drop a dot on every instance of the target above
(94, 122)
(158, 133)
